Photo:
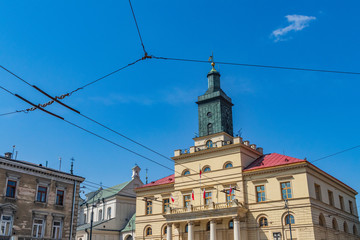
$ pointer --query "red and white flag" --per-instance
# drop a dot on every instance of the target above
(230, 190)
(204, 193)
(200, 172)
(172, 198)
(193, 195)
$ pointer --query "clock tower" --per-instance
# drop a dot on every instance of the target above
(215, 108)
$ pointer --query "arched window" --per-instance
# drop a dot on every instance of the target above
(206, 169)
(289, 219)
(263, 222)
(129, 237)
(208, 226)
(354, 230)
(228, 165)
(186, 172)
(100, 217)
(148, 231)
(322, 220)
(334, 224)
(209, 128)
(231, 224)
(346, 229)
(108, 212)
(187, 228)
(85, 220)
(209, 144)
(165, 230)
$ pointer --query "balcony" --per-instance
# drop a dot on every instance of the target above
(213, 210)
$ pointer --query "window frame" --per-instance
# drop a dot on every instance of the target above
(261, 192)
(226, 165)
(5, 223)
(100, 215)
(108, 213)
(63, 197)
(58, 228)
(263, 222)
(318, 195)
(341, 202)
(187, 200)
(291, 219)
(208, 198)
(231, 224)
(7, 186)
(148, 207)
(46, 193)
(42, 228)
(166, 204)
(331, 198)
(229, 197)
(148, 233)
(206, 169)
(286, 188)
(186, 172)
(351, 207)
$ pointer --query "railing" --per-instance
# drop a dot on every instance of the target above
(211, 206)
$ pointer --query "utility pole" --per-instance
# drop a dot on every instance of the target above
(288, 216)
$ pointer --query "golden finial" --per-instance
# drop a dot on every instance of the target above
(211, 58)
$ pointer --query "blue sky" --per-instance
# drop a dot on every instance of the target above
(60, 46)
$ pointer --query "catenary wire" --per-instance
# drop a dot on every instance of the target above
(257, 65)
(137, 27)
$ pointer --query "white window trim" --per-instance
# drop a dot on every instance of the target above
(11, 224)
(60, 228)
(61, 189)
(43, 228)
(42, 184)
(15, 179)
(107, 212)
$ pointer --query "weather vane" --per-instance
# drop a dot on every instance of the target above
(211, 59)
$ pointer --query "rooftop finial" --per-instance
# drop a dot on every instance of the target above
(211, 58)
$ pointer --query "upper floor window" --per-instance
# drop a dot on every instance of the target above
(351, 207)
(100, 217)
(85, 219)
(263, 222)
(331, 198)
(109, 213)
(5, 225)
(289, 219)
(208, 226)
(148, 207)
(166, 204)
(230, 195)
(228, 165)
(207, 200)
(56, 230)
(209, 144)
(322, 220)
(186, 172)
(59, 197)
(286, 190)
(38, 228)
(346, 229)
(341, 201)
(41, 194)
(355, 230)
(260, 193)
(187, 200)
(210, 128)
(318, 192)
(207, 169)
(187, 228)
(11, 189)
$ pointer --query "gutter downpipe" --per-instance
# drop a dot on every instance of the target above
(72, 211)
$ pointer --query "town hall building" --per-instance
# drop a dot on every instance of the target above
(226, 188)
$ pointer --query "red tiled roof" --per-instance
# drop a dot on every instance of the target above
(165, 180)
(272, 160)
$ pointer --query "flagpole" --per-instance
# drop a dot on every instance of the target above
(200, 182)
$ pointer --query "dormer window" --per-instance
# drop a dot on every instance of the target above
(209, 144)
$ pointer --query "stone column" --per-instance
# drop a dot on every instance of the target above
(236, 229)
(169, 232)
(191, 231)
(213, 229)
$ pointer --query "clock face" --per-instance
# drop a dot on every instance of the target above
(209, 114)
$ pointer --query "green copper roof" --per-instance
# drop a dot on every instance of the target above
(130, 225)
(106, 193)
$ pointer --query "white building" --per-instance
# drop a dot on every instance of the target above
(112, 209)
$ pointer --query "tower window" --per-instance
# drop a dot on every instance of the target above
(209, 114)
(210, 128)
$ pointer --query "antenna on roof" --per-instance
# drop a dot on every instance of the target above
(60, 164)
(13, 150)
(72, 166)
(146, 176)
(16, 155)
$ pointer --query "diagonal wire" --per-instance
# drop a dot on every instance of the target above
(137, 27)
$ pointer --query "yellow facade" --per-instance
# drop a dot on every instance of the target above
(312, 218)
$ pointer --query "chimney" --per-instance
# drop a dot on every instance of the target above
(8, 155)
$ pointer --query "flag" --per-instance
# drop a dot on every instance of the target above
(230, 190)
(193, 195)
(204, 193)
(200, 172)
(172, 198)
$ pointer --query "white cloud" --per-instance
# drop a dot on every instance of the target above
(297, 23)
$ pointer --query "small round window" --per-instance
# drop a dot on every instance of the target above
(209, 114)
